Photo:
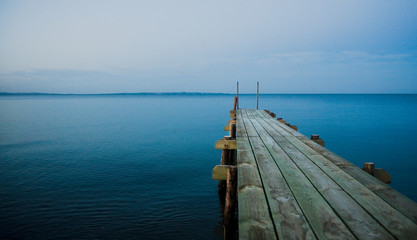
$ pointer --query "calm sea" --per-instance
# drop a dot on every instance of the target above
(139, 167)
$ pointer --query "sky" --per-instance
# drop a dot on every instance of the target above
(73, 46)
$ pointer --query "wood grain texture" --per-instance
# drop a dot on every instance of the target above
(340, 201)
(391, 219)
(323, 220)
(397, 200)
(254, 219)
(240, 127)
(225, 144)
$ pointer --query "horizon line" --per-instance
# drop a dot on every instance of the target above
(190, 93)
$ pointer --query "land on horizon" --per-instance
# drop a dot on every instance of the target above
(187, 93)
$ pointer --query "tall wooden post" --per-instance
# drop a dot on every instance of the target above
(237, 94)
(235, 104)
(257, 95)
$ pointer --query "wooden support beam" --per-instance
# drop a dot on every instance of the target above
(220, 172)
(226, 159)
(230, 205)
(382, 175)
(378, 173)
(225, 144)
(227, 127)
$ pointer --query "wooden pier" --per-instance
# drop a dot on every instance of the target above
(291, 187)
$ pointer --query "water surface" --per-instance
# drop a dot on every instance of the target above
(139, 167)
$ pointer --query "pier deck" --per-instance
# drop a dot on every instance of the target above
(290, 187)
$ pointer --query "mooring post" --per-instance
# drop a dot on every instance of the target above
(237, 94)
(316, 138)
(257, 95)
(369, 167)
(230, 205)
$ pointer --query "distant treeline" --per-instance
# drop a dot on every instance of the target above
(141, 93)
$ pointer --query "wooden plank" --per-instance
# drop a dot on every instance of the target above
(225, 144)
(254, 219)
(299, 168)
(395, 222)
(397, 200)
(250, 131)
(240, 127)
(288, 217)
(323, 220)
(400, 202)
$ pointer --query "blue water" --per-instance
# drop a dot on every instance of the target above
(139, 167)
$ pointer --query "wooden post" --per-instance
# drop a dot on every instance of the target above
(369, 167)
(257, 95)
(281, 120)
(229, 209)
(316, 138)
(225, 160)
(232, 151)
(235, 103)
(233, 130)
(237, 94)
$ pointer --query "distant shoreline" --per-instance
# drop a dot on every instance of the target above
(181, 94)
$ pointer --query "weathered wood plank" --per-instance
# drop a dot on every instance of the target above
(287, 214)
(288, 217)
(225, 144)
(397, 200)
(254, 219)
(323, 220)
(240, 127)
(301, 169)
(395, 222)
(250, 131)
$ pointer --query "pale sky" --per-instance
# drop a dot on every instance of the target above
(73, 46)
